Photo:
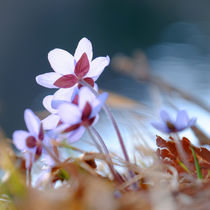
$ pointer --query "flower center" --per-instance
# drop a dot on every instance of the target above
(170, 126)
(31, 142)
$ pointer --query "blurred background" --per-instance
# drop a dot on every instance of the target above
(173, 35)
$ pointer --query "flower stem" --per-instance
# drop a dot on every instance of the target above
(109, 114)
(92, 131)
(51, 154)
(94, 140)
(181, 151)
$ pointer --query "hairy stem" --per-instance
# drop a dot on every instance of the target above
(106, 151)
(181, 151)
(109, 114)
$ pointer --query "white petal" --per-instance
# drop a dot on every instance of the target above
(76, 134)
(97, 66)
(32, 122)
(98, 103)
(50, 122)
(95, 87)
(84, 46)
(47, 103)
(61, 61)
(85, 95)
(63, 95)
(19, 139)
(48, 79)
(69, 113)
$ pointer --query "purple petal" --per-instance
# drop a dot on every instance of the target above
(32, 122)
(47, 103)
(61, 61)
(66, 81)
(98, 104)
(97, 66)
(48, 79)
(165, 116)
(69, 113)
(161, 127)
(76, 134)
(181, 120)
(50, 122)
(192, 122)
(19, 139)
(84, 46)
(82, 66)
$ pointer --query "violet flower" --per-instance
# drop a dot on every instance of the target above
(30, 142)
(75, 117)
(52, 102)
(69, 70)
(169, 125)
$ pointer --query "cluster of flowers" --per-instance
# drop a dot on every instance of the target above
(73, 107)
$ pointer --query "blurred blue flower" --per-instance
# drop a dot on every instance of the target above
(169, 125)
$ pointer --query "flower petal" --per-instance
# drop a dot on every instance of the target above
(32, 122)
(85, 95)
(63, 95)
(161, 127)
(86, 111)
(98, 103)
(47, 103)
(66, 81)
(76, 135)
(48, 79)
(19, 139)
(165, 116)
(50, 122)
(69, 113)
(82, 66)
(84, 46)
(192, 122)
(97, 66)
(61, 61)
(181, 120)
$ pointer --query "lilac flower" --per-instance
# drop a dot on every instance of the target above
(52, 102)
(69, 70)
(30, 142)
(169, 125)
(75, 117)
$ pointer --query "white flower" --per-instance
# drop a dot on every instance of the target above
(69, 70)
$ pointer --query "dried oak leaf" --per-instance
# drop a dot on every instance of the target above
(168, 153)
